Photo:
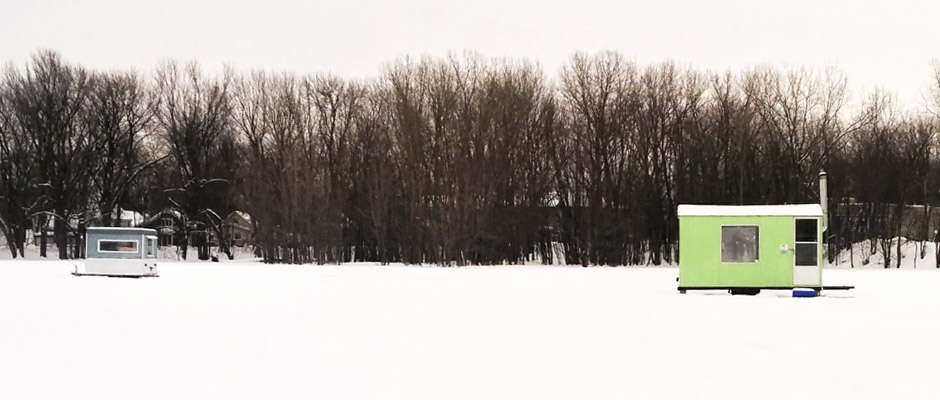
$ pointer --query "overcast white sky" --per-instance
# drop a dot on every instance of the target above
(885, 44)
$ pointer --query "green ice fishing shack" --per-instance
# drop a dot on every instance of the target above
(750, 247)
(744, 249)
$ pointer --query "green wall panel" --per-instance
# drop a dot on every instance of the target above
(700, 253)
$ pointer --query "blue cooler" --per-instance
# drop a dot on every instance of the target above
(804, 293)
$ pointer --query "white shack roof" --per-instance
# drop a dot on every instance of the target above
(120, 229)
(788, 210)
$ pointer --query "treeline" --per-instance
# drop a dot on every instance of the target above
(452, 161)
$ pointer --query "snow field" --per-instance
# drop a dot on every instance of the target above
(243, 330)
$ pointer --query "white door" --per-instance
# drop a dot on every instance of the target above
(806, 252)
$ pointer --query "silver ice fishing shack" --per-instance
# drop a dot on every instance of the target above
(120, 252)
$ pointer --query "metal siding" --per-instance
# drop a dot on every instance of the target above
(93, 235)
(120, 267)
(700, 253)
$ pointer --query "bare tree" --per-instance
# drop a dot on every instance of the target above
(17, 170)
(297, 135)
(192, 116)
(798, 125)
(119, 114)
(454, 161)
(601, 96)
(48, 99)
(887, 147)
(374, 177)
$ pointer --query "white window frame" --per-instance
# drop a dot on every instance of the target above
(721, 233)
(137, 245)
(815, 242)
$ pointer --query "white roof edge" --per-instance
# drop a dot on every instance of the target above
(786, 210)
(120, 228)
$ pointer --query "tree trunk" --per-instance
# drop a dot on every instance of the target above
(80, 239)
(899, 253)
(852, 255)
(936, 246)
(202, 246)
(105, 216)
(11, 242)
(184, 245)
(21, 240)
(899, 241)
(43, 237)
(61, 238)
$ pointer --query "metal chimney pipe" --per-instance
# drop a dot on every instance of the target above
(824, 199)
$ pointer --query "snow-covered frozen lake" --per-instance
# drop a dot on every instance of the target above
(244, 330)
